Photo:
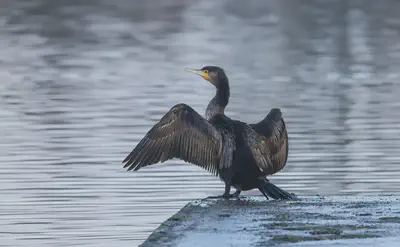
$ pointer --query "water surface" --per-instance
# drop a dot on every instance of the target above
(83, 81)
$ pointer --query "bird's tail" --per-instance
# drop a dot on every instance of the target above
(269, 189)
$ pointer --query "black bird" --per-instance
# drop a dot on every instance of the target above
(241, 154)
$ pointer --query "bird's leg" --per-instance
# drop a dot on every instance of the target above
(226, 195)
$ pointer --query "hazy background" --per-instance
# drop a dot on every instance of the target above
(82, 81)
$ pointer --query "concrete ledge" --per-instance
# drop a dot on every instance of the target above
(311, 221)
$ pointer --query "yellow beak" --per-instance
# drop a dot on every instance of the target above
(198, 72)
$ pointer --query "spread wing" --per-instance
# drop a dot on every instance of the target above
(269, 142)
(181, 133)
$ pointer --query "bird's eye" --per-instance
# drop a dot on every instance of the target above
(205, 71)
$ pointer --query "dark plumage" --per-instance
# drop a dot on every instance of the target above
(241, 154)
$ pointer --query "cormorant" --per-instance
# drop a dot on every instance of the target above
(241, 154)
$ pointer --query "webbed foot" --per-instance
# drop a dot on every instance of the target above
(236, 194)
(226, 195)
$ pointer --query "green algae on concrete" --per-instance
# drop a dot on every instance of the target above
(390, 219)
(254, 221)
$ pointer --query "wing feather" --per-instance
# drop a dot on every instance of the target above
(181, 133)
(269, 142)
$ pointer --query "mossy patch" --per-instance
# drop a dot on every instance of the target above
(175, 219)
(359, 205)
(278, 225)
(297, 238)
(284, 217)
(320, 216)
(358, 227)
(327, 231)
(300, 228)
(389, 219)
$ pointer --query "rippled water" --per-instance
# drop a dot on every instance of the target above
(83, 81)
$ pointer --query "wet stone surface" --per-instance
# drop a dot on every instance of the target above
(310, 221)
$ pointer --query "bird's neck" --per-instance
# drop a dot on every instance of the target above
(219, 102)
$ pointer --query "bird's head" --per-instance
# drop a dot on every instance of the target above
(213, 74)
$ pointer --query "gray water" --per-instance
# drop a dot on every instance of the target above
(83, 81)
